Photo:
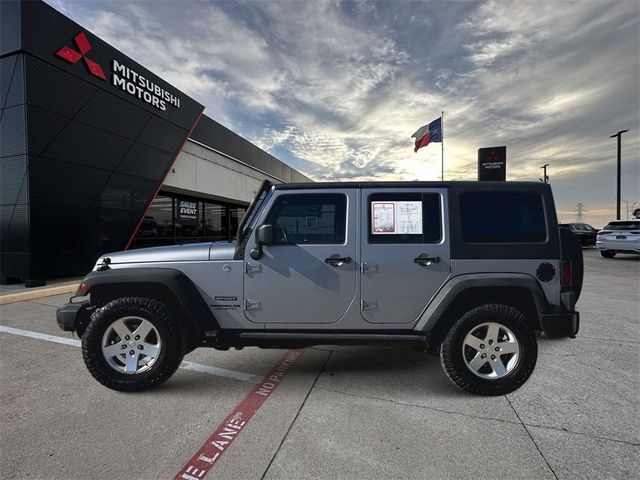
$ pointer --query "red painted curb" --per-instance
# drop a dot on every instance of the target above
(224, 435)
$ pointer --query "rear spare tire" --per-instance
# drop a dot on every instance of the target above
(491, 350)
(132, 344)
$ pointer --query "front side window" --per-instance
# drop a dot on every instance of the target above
(309, 218)
(404, 218)
(502, 217)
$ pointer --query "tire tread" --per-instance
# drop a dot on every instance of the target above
(162, 318)
(453, 364)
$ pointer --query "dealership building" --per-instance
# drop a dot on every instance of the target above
(99, 154)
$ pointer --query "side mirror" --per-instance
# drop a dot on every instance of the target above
(265, 235)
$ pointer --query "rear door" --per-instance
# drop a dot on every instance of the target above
(309, 275)
(405, 252)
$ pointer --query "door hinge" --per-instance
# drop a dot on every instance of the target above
(252, 305)
(252, 267)
(368, 305)
(369, 267)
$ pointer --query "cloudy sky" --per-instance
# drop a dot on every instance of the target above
(335, 89)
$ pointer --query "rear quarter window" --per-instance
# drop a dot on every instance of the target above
(503, 217)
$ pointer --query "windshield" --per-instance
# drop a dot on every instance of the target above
(583, 226)
(245, 224)
(623, 226)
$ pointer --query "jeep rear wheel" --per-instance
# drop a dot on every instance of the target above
(607, 253)
(132, 344)
(491, 350)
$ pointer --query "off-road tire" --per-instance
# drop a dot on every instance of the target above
(607, 253)
(451, 356)
(170, 356)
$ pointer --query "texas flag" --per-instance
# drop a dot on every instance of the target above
(427, 134)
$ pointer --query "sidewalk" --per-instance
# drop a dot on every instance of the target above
(19, 293)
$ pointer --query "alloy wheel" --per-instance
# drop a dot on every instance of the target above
(131, 345)
(491, 351)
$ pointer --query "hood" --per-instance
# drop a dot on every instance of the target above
(222, 251)
(192, 252)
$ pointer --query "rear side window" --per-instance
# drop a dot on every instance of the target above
(310, 218)
(404, 218)
(502, 217)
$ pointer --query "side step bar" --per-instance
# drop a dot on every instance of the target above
(226, 339)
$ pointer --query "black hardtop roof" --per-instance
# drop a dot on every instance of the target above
(415, 184)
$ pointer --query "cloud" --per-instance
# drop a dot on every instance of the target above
(335, 89)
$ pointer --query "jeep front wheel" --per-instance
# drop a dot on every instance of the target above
(491, 350)
(132, 344)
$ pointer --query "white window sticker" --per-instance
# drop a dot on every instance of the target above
(409, 216)
(396, 218)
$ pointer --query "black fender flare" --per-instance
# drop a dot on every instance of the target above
(448, 293)
(180, 286)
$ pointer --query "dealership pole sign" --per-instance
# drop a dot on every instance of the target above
(492, 164)
(122, 76)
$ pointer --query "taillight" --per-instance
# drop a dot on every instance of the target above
(567, 274)
(604, 232)
(635, 232)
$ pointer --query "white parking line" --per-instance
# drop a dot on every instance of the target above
(217, 371)
(194, 367)
(40, 336)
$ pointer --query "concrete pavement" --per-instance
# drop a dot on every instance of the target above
(341, 412)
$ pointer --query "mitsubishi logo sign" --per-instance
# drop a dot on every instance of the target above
(123, 77)
(73, 56)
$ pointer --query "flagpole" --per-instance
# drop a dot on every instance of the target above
(442, 133)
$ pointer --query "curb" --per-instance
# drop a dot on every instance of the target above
(41, 293)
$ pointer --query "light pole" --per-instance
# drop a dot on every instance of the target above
(619, 135)
(545, 177)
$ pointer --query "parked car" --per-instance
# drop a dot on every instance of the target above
(585, 233)
(619, 236)
(470, 270)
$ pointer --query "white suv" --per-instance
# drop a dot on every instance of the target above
(620, 236)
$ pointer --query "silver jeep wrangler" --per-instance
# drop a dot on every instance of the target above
(471, 270)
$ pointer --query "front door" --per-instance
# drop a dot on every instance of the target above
(405, 252)
(309, 276)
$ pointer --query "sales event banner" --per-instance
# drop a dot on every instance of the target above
(187, 211)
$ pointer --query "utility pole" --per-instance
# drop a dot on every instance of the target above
(580, 211)
(545, 177)
(619, 136)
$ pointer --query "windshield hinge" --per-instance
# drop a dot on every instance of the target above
(252, 267)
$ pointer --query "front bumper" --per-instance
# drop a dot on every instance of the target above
(70, 315)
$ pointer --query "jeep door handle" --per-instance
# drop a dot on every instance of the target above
(337, 261)
(425, 260)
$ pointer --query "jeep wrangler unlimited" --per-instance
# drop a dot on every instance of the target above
(471, 270)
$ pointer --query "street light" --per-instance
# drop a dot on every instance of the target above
(619, 135)
(545, 177)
